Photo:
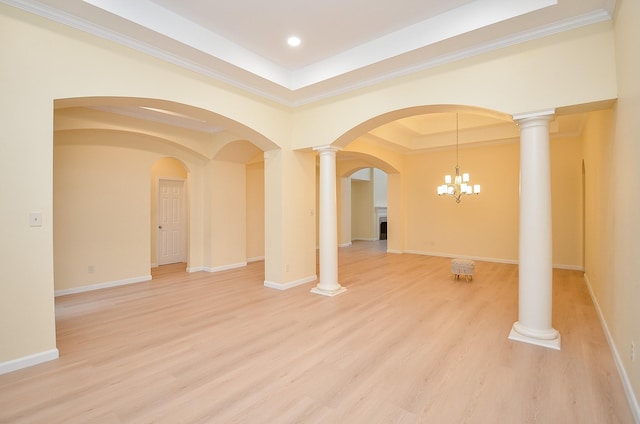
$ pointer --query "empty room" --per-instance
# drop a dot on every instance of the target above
(307, 212)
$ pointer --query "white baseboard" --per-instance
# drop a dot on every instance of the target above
(485, 259)
(28, 361)
(569, 267)
(473, 258)
(626, 383)
(291, 284)
(256, 259)
(217, 268)
(345, 244)
(195, 269)
(105, 285)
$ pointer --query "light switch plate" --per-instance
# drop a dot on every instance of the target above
(35, 219)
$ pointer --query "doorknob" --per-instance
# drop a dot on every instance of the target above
(160, 227)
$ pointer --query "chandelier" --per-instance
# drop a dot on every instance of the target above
(460, 185)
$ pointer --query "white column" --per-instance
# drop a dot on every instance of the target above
(328, 215)
(535, 257)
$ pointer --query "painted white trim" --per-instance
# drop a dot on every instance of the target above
(345, 244)
(216, 269)
(224, 267)
(626, 383)
(292, 81)
(154, 265)
(548, 343)
(256, 259)
(365, 239)
(291, 284)
(569, 267)
(480, 258)
(473, 258)
(195, 269)
(546, 113)
(105, 285)
(332, 293)
(28, 361)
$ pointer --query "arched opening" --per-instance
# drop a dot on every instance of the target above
(363, 206)
(417, 148)
(363, 197)
(111, 158)
(419, 144)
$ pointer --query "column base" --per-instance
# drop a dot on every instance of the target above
(546, 338)
(319, 290)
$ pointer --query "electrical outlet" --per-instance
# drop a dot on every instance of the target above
(91, 269)
(35, 219)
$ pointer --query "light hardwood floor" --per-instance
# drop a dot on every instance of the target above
(405, 344)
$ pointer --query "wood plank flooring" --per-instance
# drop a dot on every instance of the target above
(405, 344)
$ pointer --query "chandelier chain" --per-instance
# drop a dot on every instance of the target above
(457, 141)
(460, 184)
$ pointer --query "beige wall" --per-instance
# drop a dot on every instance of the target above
(567, 202)
(43, 61)
(483, 226)
(612, 224)
(362, 211)
(227, 216)
(522, 78)
(101, 210)
(598, 149)
(290, 217)
(27, 316)
(100, 205)
(344, 210)
(255, 211)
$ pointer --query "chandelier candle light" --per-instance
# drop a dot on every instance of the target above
(460, 185)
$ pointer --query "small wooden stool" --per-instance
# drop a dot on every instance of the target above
(462, 267)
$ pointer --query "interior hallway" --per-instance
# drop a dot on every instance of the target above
(405, 344)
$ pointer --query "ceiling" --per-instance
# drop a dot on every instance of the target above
(346, 44)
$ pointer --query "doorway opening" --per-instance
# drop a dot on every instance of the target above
(168, 212)
(369, 204)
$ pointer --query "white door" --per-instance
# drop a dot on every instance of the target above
(171, 222)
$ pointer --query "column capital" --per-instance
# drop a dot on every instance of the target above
(327, 148)
(547, 114)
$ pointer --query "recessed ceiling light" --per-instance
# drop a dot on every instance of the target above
(293, 41)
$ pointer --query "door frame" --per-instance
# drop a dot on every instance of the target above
(185, 225)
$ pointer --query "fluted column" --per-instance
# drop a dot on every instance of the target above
(535, 247)
(328, 216)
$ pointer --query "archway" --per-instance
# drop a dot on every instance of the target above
(418, 144)
(106, 151)
(362, 206)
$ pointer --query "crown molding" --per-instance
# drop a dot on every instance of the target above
(315, 89)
